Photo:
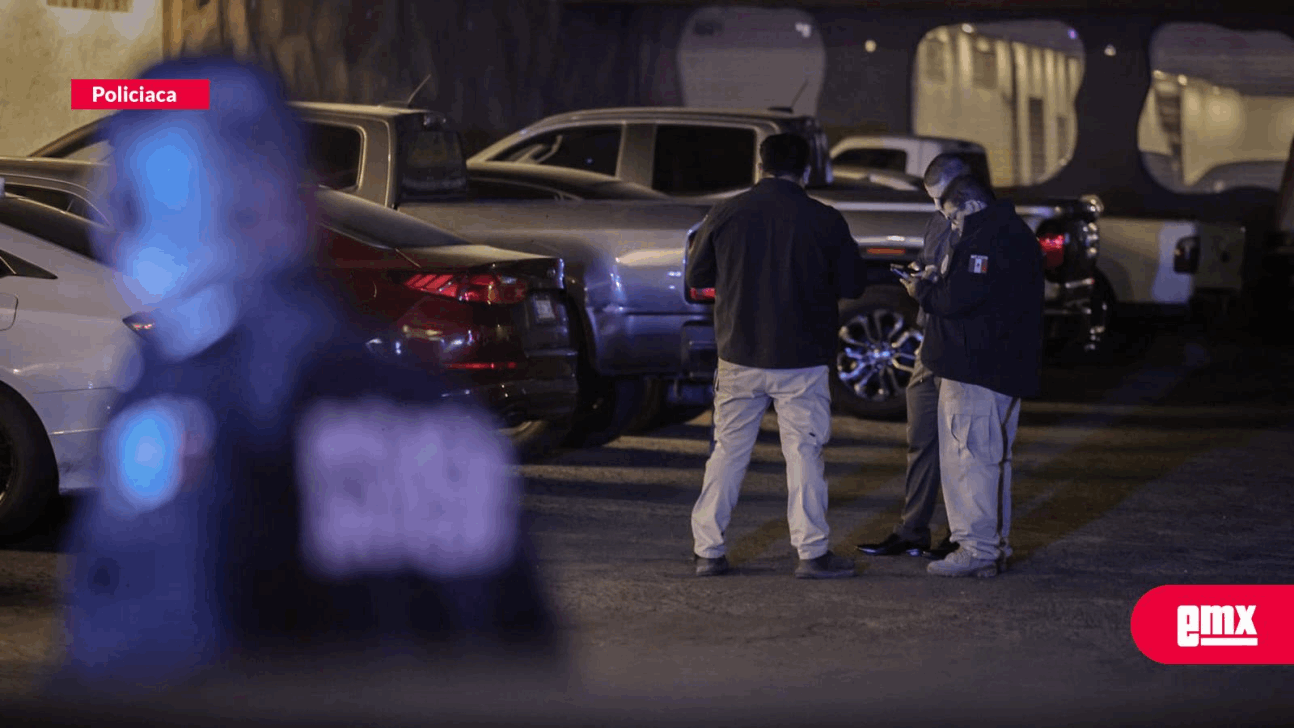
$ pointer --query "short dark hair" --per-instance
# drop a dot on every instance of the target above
(784, 154)
(945, 168)
(966, 189)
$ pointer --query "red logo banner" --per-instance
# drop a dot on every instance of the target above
(168, 94)
(1247, 624)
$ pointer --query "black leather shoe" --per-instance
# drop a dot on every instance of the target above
(893, 545)
(710, 567)
(940, 552)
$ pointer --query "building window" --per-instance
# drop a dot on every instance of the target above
(1034, 69)
(1220, 111)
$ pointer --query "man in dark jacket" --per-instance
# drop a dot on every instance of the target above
(983, 339)
(779, 262)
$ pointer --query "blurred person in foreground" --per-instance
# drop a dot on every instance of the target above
(271, 493)
(779, 262)
(983, 340)
(922, 485)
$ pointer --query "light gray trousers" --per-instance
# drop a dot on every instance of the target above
(741, 397)
(976, 432)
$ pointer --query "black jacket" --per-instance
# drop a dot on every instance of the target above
(985, 311)
(779, 262)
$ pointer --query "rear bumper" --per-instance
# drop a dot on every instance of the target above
(523, 400)
(546, 389)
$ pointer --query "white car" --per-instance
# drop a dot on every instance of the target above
(66, 353)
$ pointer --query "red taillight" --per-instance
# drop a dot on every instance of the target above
(1053, 250)
(701, 295)
(470, 287)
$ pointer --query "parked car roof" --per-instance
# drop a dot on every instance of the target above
(621, 113)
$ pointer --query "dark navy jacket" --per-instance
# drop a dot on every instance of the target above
(779, 262)
(216, 572)
(984, 322)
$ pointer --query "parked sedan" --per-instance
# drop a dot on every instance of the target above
(65, 355)
(495, 320)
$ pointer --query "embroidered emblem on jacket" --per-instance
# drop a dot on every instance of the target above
(979, 264)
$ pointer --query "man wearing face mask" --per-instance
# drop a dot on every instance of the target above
(983, 340)
(922, 485)
(270, 491)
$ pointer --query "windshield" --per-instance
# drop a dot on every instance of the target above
(431, 162)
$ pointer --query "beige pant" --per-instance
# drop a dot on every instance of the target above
(741, 397)
(976, 432)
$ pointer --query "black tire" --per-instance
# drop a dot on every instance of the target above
(535, 440)
(608, 405)
(877, 351)
(28, 473)
(681, 414)
(651, 409)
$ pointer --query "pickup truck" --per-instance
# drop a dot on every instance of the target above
(1147, 265)
(704, 155)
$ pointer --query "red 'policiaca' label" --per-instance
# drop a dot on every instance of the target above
(1245, 624)
(154, 93)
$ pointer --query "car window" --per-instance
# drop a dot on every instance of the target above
(495, 190)
(703, 159)
(895, 159)
(333, 153)
(431, 165)
(592, 148)
(47, 223)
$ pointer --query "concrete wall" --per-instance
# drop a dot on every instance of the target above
(495, 65)
(44, 45)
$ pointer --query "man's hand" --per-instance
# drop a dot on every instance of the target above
(929, 273)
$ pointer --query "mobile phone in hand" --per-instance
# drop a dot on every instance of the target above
(901, 271)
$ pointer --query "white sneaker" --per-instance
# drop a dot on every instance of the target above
(961, 563)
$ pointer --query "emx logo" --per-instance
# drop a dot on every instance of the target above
(1213, 625)
(1216, 625)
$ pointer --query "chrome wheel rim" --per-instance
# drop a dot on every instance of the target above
(877, 355)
